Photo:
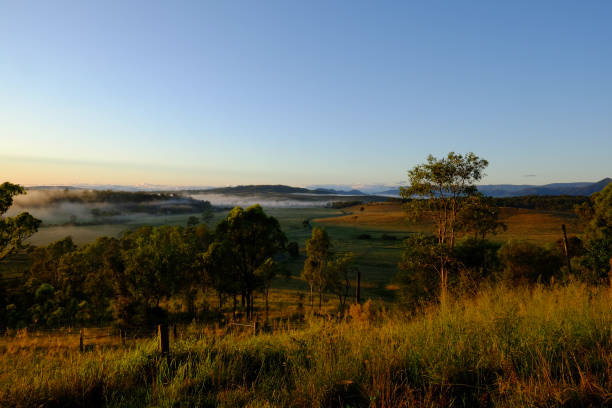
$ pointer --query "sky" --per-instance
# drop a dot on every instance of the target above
(212, 93)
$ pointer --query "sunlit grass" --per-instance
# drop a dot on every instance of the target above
(505, 347)
(532, 225)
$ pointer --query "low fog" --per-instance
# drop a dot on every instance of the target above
(92, 207)
(59, 207)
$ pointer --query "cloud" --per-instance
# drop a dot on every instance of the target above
(529, 175)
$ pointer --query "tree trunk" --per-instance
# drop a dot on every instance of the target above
(234, 311)
(252, 305)
(248, 306)
(443, 285)
(311, 298)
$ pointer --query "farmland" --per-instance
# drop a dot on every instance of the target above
(470, 351)
(373, 232)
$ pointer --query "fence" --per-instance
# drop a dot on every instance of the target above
(86, 339)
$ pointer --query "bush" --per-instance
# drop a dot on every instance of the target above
(476, 261)
(417, 275)
(364, 236)
(479, 256)
(524, 262)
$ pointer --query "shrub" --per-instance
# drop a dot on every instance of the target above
(417, 276)
(479, 256)
(524, 262)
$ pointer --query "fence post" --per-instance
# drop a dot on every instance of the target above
(255, 327)
(81, 345)
(162, 335)
(567, 257)
(123, 335)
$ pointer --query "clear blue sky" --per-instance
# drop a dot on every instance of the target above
(309, 92)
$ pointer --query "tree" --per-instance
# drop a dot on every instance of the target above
(220, 272)
(46, 261)
(315, 267)
(14, 230)
(252, 237)
(265, 273)
(438, 191)
(207, 216)
(341, 273)
(480, 217)
(158, 262)
(597, 236)
(193, 221)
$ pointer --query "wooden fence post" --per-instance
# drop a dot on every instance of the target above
(255, 327)
(162, 335)
(567, 257)
(81, 345)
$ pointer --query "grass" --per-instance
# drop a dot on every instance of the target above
(544, 347)
(532, 225)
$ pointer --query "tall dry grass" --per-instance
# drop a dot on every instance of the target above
(538, 346)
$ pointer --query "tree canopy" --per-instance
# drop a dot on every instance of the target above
(14, 230)
(251, 237)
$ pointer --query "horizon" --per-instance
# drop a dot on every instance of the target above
(348, 93)
(364, 188)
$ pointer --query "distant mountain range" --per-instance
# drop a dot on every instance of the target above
(513, 190)
(494, 190)
(573, 189)
(357, 188)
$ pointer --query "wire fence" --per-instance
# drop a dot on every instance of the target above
(91, 337)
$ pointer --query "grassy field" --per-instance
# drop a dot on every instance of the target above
(533, 347)
(523, 224)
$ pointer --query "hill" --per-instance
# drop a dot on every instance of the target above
(571, 189)
(518, 190)
(273, 189)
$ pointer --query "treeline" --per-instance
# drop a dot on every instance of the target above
(109, 203)
(539, 202)
(100, 196)
(535, 202)
(129, 280)
(345, 204)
